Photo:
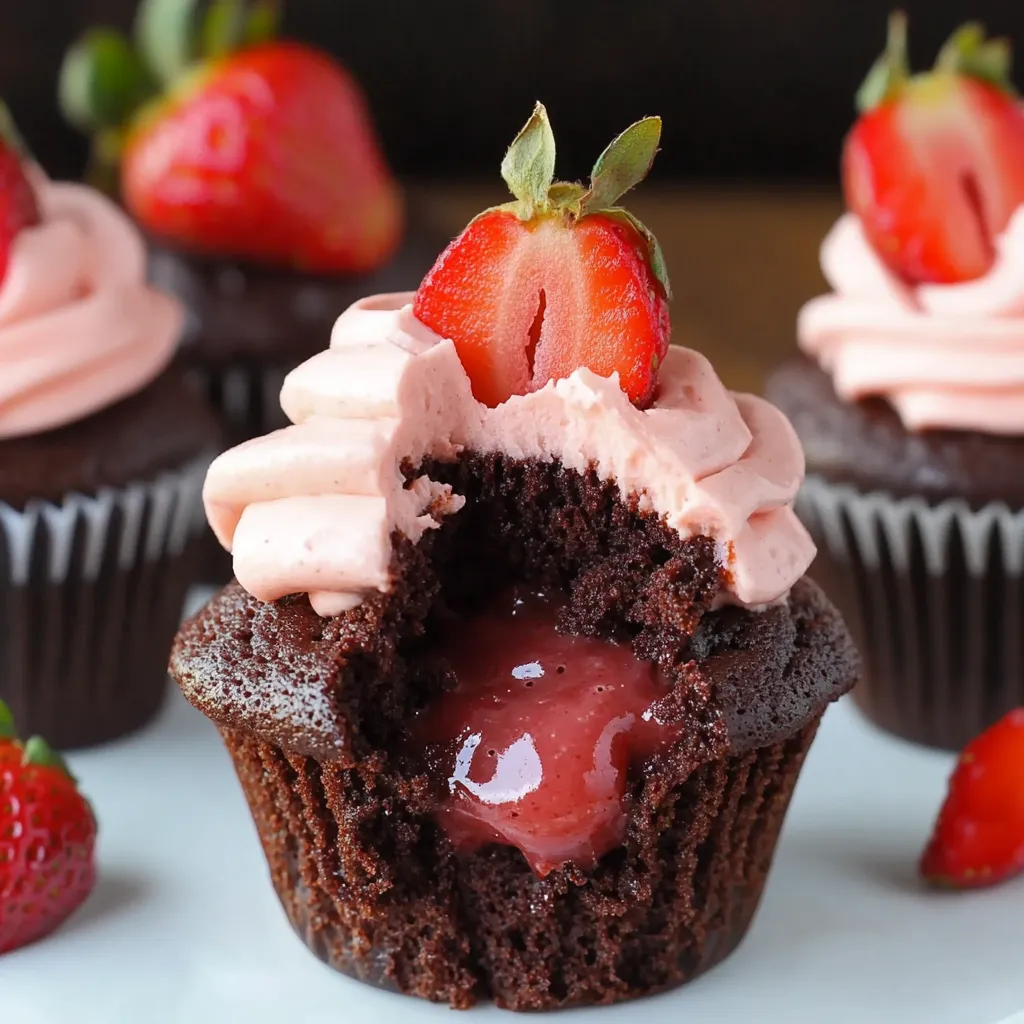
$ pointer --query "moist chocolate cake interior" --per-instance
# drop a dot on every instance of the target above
(316, 714)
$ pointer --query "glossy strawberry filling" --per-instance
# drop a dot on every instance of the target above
(536, 743)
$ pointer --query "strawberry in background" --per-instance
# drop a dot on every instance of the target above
(254, 169)
(232, 142)
(47, 839)
(934, 166)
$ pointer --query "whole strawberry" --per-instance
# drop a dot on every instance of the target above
(934, 167)
(18, 206)
(560, 279)
(47, 839)
(979, 836)
(232, 143)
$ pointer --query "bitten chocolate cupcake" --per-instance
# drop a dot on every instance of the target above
(909, 399)
(103, 450)
(253, 167)
(520, 671)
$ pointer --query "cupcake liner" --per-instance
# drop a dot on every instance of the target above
(933, 595)
(372, 889)
(91, 592)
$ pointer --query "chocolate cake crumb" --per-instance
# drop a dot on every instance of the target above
(315, 713)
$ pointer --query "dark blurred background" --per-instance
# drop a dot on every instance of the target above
(749, 89)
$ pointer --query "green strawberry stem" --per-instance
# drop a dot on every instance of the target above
(529, 171)
(39, 753)
(106, 79)
(967, 52)
(9, 133)
(7, 730)
(890, 72)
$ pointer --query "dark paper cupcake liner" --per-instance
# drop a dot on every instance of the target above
(934, 597)
(246, 397)
(91, 594)
(375, 892)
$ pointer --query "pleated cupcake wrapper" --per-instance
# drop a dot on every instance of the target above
(719, 835)
(91, 591)
(933, 595)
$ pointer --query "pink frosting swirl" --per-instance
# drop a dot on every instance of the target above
(79, 326)
(312, 508)
(945, 356)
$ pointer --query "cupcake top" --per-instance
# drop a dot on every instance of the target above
(540, 334)
(314, 507)
(80, 328)
(927, 267)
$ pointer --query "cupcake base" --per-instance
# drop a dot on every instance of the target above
(381, 901)
(320, 716)
(100, 527)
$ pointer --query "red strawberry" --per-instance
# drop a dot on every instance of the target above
(47, 837)
(18, 206)
(558, 280)
(267, 153)
(934, 167)
(979, 836)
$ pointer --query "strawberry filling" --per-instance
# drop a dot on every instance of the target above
(535, 744)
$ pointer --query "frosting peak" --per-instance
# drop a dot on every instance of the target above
(945, 356)
(313, 507)
(79, 327)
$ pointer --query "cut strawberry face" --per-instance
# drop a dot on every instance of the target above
(535, 290)
(934, 167)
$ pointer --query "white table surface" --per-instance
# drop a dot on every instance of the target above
(184, 927)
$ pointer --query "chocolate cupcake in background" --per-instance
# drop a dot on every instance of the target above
(909, 400)
(253, 168)
(103, 450)
(520, 669)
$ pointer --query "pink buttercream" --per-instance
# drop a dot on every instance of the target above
(312, 508)
(947, 356)
(79, 327)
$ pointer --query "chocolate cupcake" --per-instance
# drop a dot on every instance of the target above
(253, 167)
(909, 400)
(103, 450)
(518, 688)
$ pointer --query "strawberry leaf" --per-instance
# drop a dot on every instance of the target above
(529, 164)
(655, 256)
(890, 72)
(623, 165)
(10, 135)
(262, 22)
(7, 730)
(39, 753)
(967, 52)
(222, 28)
(166, 34)
(102, 81)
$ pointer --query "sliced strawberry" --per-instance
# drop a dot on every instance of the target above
(979, 837)
(934, 167)
(560, 279)
(18, 206)
(536, 743)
